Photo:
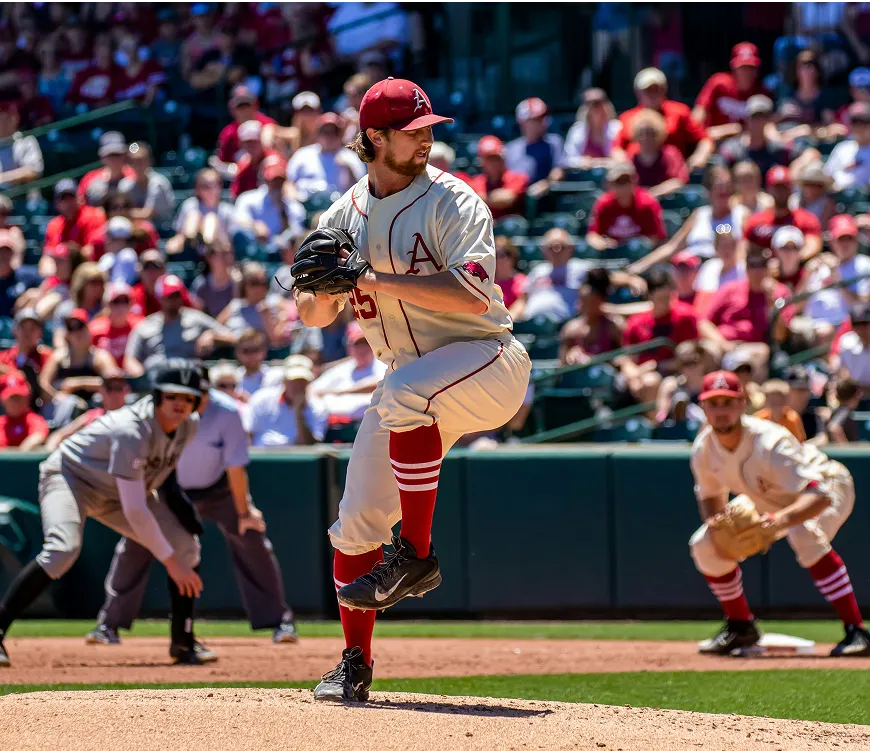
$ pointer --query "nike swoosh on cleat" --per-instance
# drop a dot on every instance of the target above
(381, 596)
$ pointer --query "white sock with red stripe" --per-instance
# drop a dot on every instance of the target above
(728, 590)
(415, 456)
(832, 580)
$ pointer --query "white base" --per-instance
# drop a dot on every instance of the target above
(776, 644)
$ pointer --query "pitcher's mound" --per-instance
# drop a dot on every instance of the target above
(230, 718)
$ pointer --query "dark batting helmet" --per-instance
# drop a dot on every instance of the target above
(177, 376)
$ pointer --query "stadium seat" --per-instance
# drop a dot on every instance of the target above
(511, 226)
(540, 336)
(671, 430)
(632, 251)
(673, 221)
(685, 200)
(185, 270)
(544, 224)
(597, 175)
(341, 433)
(596, 380)
(553, 409)
(7, 339)
(862, 420)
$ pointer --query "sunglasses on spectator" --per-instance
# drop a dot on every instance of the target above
(115, 385)
(226, 386)
(251, 350)
(152, 266)
(556, 247)
(645, 133)
(257, 282)
(624, 180)
(120, 301)
(74, 326)
(175, 296)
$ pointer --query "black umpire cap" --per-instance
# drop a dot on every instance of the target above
(178, 376)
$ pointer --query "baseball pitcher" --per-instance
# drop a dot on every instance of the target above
(784, 488)
(411, 249)
(110, 471)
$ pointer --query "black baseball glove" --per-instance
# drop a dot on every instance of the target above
(320, 267)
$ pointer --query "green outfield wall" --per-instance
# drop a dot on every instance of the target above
(545, 532)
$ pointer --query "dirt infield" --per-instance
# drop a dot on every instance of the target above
(208, 719)
(249, 659)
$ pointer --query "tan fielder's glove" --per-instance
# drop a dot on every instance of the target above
(739, 531)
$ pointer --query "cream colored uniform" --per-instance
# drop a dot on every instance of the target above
(772, 468)
(464, 371)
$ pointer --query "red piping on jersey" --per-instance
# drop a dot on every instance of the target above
(451, 385)
(390, 248)
(381, 319)
(472, 284)
(359, 210)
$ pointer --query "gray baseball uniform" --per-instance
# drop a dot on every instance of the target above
(79, 480)
(220, 443)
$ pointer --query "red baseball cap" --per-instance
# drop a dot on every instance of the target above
(398, 104)
(843, 225)
(745, 53)
(78, 314)
(274, 166)
(778, 175)
(168, 285)
(685, 258)
(490, 146)
(15, 385)
(329, 118)
(721, 383)
(354, 333)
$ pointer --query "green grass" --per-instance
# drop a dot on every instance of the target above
(822, 631)
(823, 695)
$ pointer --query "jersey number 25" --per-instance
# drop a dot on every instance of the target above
(363, 305)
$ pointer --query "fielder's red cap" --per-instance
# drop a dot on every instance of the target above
(721, 383)
(398, 104)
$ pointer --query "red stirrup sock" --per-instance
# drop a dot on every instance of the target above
(358, 625)
(832, 580)
(415, 456)
(728, 590)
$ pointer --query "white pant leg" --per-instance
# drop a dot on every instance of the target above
(811, 541)
(708, 560)
(465, 387)
(370, 506)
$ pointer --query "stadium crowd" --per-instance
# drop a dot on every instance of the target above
(670, 221)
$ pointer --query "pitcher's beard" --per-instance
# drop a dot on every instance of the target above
(408, 169)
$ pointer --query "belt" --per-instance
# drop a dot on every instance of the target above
(201, 494)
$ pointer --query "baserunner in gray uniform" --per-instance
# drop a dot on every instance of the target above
(213, 472)
(111, 471)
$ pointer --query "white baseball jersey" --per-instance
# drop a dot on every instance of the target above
(436, 224)
(769, 465)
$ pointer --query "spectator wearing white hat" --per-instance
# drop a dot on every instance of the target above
(787, 244)
(111, 330)
(302, 130)
(248, 165)
(690, 138)
(326, 164)
(286, 415)
(849, 162)
(347, 386)
(112, 151)
(441, 156)
(119, 260)
(536, 153)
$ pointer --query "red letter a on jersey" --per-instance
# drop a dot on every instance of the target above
(421, 254)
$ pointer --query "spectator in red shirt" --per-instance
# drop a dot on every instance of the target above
(34, 108)
(136, 78)
(688, 136)
(75, 222)
(625, 211)
(686, 268)
(248, 167)
(660, 167)
(243, 107)
(28, 355)
(111, 330)
(153, 266)
(723, 98)
(509, 281)
(760, 227)
(20, 426)
(96, 184)
(95, 85)
(740, 310)
(504, 191)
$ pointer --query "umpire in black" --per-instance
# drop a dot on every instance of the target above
(212, 471)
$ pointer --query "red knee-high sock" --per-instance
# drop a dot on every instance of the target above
(832, 580)
(728, 590)
(358, 625)
(415, 456)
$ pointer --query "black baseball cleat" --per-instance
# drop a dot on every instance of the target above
(103, 635)
(198, 654)
(4, 656)
(855, 644)
(401, 574)
(734, 635)
(349, 681)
